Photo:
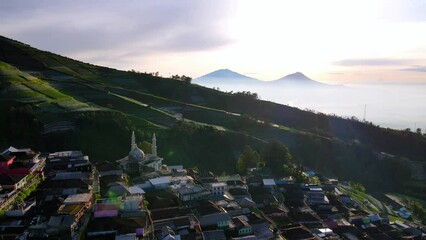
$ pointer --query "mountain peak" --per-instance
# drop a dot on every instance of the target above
(297, 76)
(225, 73)
(225, 76)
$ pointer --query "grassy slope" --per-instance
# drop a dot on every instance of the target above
(372, 204)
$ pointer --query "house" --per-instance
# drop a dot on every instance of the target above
(12, 182)
(133, 206)
(62, 226)
(75, 205)
(345, 199)
(184, 227)
(135, 190)
(116, 189)
(268, 183)
(322, 232)
(404, 213)
(378, 219)
(75, 210)
(128, 236)
(272, 211)
(250, 237)
(285, 181)
(232, 208)
(245, 202)
(214, 235)
(314, 195)
(218, 188)
(305, 218)
(254, 180)
(160, 182)
(191, 192)
(68, 161)
(310, 173)
(20, 161)
(211, 215)
(242, 226)
(236, 183)
(104, 210)
(85, 198)
(170, 212)
(21, 209)
(260, 227)
(5, 163)
(236, 193)
(109, 228)
(297, 232)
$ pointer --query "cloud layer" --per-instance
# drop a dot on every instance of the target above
(136, 27)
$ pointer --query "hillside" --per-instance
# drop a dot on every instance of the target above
(195, 125)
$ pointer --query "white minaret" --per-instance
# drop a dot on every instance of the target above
(133, 145)
(154, 146)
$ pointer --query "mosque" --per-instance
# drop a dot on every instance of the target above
(137, 161)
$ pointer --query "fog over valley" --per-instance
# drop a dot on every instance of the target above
(398, 106)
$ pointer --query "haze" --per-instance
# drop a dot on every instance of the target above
(388, 105)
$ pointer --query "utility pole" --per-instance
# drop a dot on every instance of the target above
(365, 111)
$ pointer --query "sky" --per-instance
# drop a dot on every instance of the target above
(331, 41)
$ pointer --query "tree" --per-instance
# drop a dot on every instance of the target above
(186, 79)
(241, 166)
(249, 158)
(314, 180)
(276, 155)
(146, 147)
(182, 78)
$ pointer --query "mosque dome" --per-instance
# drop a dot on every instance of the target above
(137, 154)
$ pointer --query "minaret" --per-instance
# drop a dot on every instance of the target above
(133, 145)
(154, 146)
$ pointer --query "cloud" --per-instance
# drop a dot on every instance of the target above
(415, 69)
(136, 27)
(372, 62)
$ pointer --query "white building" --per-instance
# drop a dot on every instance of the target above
(218, 188)
(137, 159)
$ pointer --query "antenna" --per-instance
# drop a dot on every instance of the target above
(365, 111)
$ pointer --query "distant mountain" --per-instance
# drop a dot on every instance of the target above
(297, 78)
(225, 76)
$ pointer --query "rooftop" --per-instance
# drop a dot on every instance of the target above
(70, 209)
(78, 198)
(219, 184)
(240, 222)
(61, 221)
(160, 180)
(297, 232)
(136, 190)
(5, 158)
(119, 224)
(171, 212)
(207, 207)
(269, 182)
(70, 175)
(214, 235)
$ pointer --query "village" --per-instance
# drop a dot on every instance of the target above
(62, 195)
